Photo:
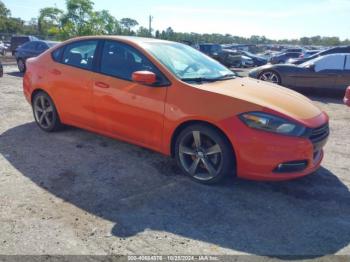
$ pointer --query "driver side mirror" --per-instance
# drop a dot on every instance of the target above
(144, 77)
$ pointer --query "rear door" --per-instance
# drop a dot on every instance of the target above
(325, 74)
(343, 80)
(71, 82)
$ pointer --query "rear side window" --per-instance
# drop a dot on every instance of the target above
(56, 55)
(80, 54)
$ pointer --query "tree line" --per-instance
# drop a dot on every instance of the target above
(80, 18)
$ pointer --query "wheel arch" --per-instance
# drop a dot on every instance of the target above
(187, 123)
(36, 91)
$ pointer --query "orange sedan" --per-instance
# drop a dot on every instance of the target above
(173, 99)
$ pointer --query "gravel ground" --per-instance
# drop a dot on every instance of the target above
(75, 192)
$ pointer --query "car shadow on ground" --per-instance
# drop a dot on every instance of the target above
(140, 190)
(14, 73)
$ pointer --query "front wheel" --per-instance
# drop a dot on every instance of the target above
(270, 76)
(204, 154)
(45, 113)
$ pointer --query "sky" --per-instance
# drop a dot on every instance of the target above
(276, 19)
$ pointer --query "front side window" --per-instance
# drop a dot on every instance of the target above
(332, 62)
(187, 63)
(80, 54)
(121, 60)
(328, 62)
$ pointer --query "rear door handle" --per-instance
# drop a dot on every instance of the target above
(102, 85)
(55, 71)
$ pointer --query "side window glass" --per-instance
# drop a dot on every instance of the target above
(80, 54)
(56, 55)
(121, 60)
(332, 62)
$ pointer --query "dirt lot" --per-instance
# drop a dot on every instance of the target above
(76, 192)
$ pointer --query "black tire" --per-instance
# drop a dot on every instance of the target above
(223, 162)
(21, 64)
(48, 120)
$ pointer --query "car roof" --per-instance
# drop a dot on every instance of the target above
(130, 39)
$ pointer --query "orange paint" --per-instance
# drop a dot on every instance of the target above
(148, 116)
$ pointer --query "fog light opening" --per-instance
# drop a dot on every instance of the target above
(291, 167)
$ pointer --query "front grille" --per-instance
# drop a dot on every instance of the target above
(318, 136)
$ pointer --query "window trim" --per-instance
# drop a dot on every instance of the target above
(60, 59)
(99, 61)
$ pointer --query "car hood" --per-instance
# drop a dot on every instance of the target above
(267, 95)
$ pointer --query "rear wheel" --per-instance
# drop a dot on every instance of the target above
(204, 154)
(21, 65)
(45, 113)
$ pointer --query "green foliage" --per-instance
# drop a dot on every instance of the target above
(80, 19)
(128, 24)
(49, 20)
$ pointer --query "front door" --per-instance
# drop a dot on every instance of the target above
(126, 109)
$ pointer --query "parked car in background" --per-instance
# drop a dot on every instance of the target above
(3, 48)
(31, 49)
(329, 71)
(334, 50)
(283, 57)
(17, 40)
(257, 60)
(347, 96)
(293, 50)
(309, 53)
(1, 70)
(226, 57)
(306, 54)
(171, 98)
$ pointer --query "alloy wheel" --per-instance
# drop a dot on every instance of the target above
(44, 112)
(200, 155)
(270, 77)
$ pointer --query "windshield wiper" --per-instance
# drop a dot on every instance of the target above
(226, 77)
(204, 79)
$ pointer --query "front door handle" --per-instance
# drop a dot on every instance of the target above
(102, 85)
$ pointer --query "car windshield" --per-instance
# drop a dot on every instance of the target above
(187, 63)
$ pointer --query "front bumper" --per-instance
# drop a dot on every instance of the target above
(259, 153)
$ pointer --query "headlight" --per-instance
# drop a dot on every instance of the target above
(271, 123)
